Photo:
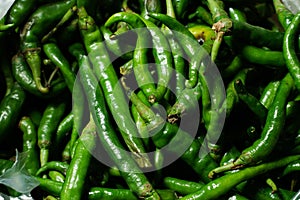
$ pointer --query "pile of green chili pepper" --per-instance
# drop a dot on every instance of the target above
(95, 94)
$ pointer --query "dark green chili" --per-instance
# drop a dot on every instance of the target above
(30, 144)
(188, 43)
(18, 13)
(251, 101)
(10, 108)
(23, 76)
(48, 125)
(274, 124)
(39, 23)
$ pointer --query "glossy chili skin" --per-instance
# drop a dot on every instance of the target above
(263, 57)
(23, 76)
(274, 124)
(189, 44)
(53, 165)
(52, 115)
(30, 144)
(18, 12)
(63, 132)
(289, 52)
(257, 36)
(162, 57)
(109, 82)
(284, 15)
(73, 187)
(136, 180)
(179, 139)
(10, 109)
(39, 24)
(184, 187)
(56, 56)
(141, 70)
(223, 184)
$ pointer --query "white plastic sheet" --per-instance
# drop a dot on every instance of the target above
(5, 6)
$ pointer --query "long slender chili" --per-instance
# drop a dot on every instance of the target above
(134, 178)
(112, 89)
(289, 52)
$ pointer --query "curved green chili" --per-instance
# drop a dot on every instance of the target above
(30, 144)
(136, 180)
(275, 121)
(10, 108)
(48, 125)
(223, 184)
(109, 82)
(36, 27)
(289, 53)
(61, 167)
(73, 186)
(23, 76)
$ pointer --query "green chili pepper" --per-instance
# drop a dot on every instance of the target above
(140, 59)
(262, 147)
(111, 87)
(237, 15)
(136, 180)
(56, 56)
(257, 36)
(233, 68)
(68, 15)
(202, 14)
(289, 52)
(18, 12)
(50, 186)
(56, 176)
(183, 187)
(119, 44)
(223, 184)
(36, 27)
(53, 165)
(10, 108)
(162, 58)
(64, 127)
(30, 144)
(269, 93)
(189, 44)
(263, 57)
(21, 73)
(48, 125)
(284, 15)
(222, 24)
(149, 6)
(292, 167)
(251, 101)
(77, 171)
(205, 36)
(66, 153)
(187, 101)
